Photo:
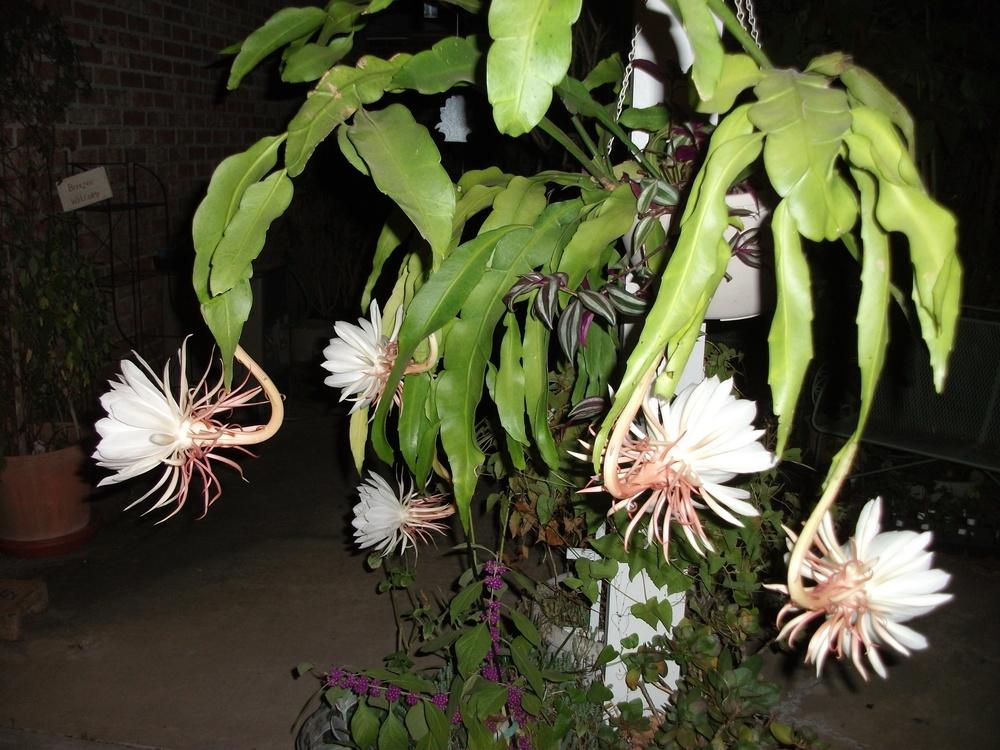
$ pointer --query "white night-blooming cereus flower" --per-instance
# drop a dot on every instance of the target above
(148, 428)
(864, 591)
(386, 519)
(360, 358)
(683, 450)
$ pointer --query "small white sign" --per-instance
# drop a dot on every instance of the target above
(83, 189)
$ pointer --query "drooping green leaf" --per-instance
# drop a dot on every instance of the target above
(448, 63)
(435, 304)
(521, 202)
(335, 98)
(416, 723)
(509, 392)
(283, 27)
(535, 357)
(311, 61)
(608, 70)
(471, 649)
(225, 315)
(350, 153)
(520, 650)
(903, 205)
(706, 44)
(229, 182)
(469, 344)
(696, 266)
(873, 305)
(392, 735)
(530, 54)
(525, 627)
(463, 600)
(358, 437)
(603, 226)
(472, 201)
(645, 118)
(341, 18)
(867, 90)
(790, 339)
(394, 232)
(244, 236)
(805, 121)
(440, 730)
(416, 431)
(739, 72)
(406, 165)
(364, 725)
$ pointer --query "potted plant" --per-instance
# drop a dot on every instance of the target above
(51, 337)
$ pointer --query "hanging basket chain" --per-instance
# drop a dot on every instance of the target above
(745, 13)
(626, 81)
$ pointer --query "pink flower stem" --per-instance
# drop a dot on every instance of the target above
(255, 433)
(797, 592)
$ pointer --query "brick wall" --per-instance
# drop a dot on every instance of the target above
(157, 96)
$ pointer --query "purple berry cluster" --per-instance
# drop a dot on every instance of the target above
(361, 684)
(494, 570)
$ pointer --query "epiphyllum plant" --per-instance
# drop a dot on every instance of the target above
(834, 143)
(147, 428)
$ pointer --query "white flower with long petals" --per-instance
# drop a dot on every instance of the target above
(147, 428)
(683, 450)
(865, 590)
(385, 519)
(360, 358)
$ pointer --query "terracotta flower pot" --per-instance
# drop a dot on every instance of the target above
(43, 509)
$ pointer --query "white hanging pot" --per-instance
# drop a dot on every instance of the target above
(746, 288)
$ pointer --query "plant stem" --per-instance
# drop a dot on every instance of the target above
(734, 27)
(585, 137)
(257, 433)
(797, 593)
(557, 134)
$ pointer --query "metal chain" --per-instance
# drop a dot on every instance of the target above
(626, 81)
(745, 12)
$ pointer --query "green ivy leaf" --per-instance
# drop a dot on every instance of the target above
(406, 166)
(530, 54)
(283, 27)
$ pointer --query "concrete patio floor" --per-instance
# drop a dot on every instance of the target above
(184, 635)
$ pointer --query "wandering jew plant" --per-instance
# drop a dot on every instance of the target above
(506, 298)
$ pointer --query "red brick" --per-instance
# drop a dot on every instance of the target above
(94, 137)
(138, 24)
(133, 118)
(114, 18)
(131, 80)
